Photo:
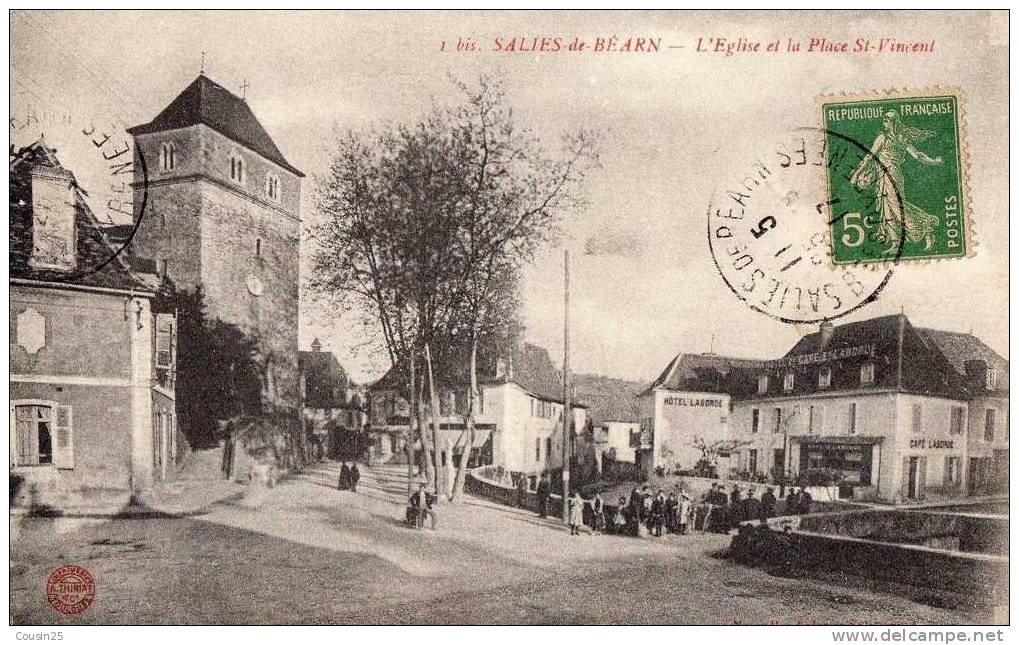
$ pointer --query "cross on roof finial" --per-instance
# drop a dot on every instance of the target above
(244, 89)
(202, 70)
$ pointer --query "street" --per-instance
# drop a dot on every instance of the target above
(304, 552)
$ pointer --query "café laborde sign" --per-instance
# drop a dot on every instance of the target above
(811, 358)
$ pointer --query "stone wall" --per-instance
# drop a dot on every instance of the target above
(975, 533)
(479, 485)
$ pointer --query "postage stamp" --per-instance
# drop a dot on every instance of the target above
(911, 180)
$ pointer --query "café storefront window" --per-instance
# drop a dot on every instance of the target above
(852, 460)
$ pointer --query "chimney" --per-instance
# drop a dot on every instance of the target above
(316, 346)
(827, 329)
(54, 209)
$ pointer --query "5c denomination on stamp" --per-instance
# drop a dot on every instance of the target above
(914, 141)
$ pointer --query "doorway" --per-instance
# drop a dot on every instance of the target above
(914, 480)
(914, 473)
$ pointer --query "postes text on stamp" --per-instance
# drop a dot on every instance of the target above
(910, 181)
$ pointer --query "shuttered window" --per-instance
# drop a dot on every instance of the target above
(43, 435)
(164, 340)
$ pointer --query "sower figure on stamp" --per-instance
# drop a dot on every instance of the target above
(889, 150)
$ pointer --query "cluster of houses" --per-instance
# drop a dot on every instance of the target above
(897, 413)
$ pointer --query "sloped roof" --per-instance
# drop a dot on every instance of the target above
(98, 261)
(531, 368)
(933, 362)
(325, 379)
(700, 372)
(880, 329)
(211, 104)
(611, 399)
(960, 347)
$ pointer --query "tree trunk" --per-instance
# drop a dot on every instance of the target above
(417, 414)
(440, 469)
(461, 473)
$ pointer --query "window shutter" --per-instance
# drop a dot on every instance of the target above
(63, 430)
(164, 341)
(921, 487)
(904, 494)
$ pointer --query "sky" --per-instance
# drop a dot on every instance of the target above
(675, 127)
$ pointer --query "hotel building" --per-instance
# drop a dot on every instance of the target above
(899, 413)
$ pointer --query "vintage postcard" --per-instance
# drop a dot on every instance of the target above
(510, 318)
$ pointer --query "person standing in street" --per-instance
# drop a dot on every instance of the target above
(707, 506)
(683, 512)
(576, 513)
(619, 518)
(597, 513)
(671, 513)
(658, 514)
(792, 502)
(344, 482)
(806, 501)
(767, 504)
(633, 511)
(751, 507)
(521, 491)
(355, 476)
(544, 493)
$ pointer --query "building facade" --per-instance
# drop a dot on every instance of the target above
(221, 214)
(881, 408)
(92, 351)
(333, 406)
(518, 422)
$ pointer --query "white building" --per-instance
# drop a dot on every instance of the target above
(900, 413)
(518, 423)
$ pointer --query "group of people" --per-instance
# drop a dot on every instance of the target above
(349, 476)
(721, 510)
(659, 513)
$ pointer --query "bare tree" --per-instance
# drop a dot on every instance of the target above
(425, 226)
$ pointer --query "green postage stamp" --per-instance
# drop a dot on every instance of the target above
(896, 176)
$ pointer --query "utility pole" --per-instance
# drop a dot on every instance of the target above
(567, 404)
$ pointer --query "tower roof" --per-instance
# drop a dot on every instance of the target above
(211, 104)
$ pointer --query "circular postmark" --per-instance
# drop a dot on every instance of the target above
(71, 589)
(770, 230)
(109, 182)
